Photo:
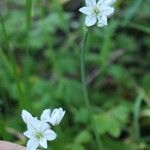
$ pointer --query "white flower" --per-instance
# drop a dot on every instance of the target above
(38, 132)
(53, 117)
(97, 12)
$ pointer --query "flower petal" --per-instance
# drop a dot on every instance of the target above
(57, 116)
(101, 2)
(30, 120)
(50, 135)
(46, 115)
(29, 134)
(26, 116)
(44, 126)
(90, 3)
(34, 124)
(90, 20)
(32, 144)
(106, 2)
(85, 10)
(110, 2)
(102, 21)
(106, 10)
(43, 143)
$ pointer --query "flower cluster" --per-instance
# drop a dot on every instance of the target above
(97, 12)
(39, 131)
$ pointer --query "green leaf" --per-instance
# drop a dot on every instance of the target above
(83, 137)
(112, 121)
(78, 147)
(132, 10)
(107, 124)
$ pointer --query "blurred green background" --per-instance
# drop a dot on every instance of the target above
(47, 54)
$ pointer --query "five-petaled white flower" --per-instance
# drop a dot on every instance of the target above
(97, 12)
(53, 117)
(38, 132)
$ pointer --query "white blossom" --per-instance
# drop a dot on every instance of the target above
(38, 132)
(53, 117)
(97, 12)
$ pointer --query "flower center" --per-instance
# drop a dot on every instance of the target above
(39, 135)
(96, 11)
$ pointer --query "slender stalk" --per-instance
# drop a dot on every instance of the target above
(14, 67)
(137, 109)
(28, 21)
(27, 49)
(28, 13)
(85, 91)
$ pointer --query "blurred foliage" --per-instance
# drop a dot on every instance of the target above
(117, 67)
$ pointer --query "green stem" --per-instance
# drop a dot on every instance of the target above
(137, 109)
(28, 14)
(28, 21)
(27, 49)
(14, 67)
(85, 91)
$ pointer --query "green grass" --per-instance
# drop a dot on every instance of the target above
(14, 66)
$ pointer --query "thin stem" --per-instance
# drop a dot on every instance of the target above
(28, 21)
(28, 13)
(14, 67)
(27, 50)
(85, 91)
(137, 109)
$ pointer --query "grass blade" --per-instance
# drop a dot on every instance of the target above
(14, 67)
(137, 109)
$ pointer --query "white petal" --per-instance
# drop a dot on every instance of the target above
(32, 144)
(106, 10)
(34, 124)
(90, 20)
(54, 120)
(57, 116)
(90, 3)
(46, 115)
(101, 2)
(50, 135)
(43, 143)
(26, 116)
(110, 2)
(85, 10)
(29, 134)
(44, 126)
(61, 115)
(106, 2)
(102, 21)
